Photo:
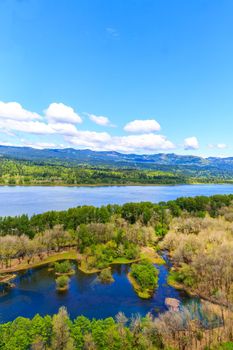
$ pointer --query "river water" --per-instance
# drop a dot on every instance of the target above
(16, 200)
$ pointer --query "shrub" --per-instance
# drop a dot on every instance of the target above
(62, 282)
(145, 274)
(63, 267)
(105, 276)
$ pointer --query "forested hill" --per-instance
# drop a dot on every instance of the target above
(22, 165)
(114, 158)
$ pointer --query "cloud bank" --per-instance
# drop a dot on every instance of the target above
(58, 126)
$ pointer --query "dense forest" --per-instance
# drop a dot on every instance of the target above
(22, 172)
(14, 172)
(198, 234)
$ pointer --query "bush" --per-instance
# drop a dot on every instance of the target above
(131, 251)
(105, 276)
(186, 275)
(62, 282)
(145, 274)
(63, 267)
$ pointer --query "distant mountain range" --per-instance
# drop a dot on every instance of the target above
(170, 162)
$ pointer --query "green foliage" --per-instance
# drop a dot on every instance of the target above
(161, 230)
(63, 267)
(105, 276)
(145, 274)
(225, 346)
(144, 213)
(19, 172)
(62, 282)
(185, 275)
(60, 333)
(131, 251)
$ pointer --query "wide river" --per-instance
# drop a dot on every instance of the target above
(16, 200)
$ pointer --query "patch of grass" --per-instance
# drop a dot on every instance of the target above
(150, 254)
(123, 260)
(69, 255)
(224, 346)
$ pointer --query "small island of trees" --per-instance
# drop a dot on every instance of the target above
(62, 283)
(105, 276)
(144, 278)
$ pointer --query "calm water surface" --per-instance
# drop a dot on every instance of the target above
(35, 292)
(33, 200)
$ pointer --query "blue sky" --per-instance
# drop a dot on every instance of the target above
(142, 76)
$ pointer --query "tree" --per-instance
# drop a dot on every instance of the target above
(61, 339)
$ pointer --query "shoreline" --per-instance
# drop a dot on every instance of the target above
(65, 255)
(143, 294)
(73, 255)
(120, 185)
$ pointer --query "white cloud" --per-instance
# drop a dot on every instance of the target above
(32, 127)
(128, 144)
(218, 145)
(191, 143)
(100, 120)
(39, 128)
(142, 126)
(64, 129)
(90, 139)
(142, 143)
(60, 119)
(59, 112)
(14, 111)
(221, 145)
(5, 131)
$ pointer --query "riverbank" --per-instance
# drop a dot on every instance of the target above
(143, 294)
(16, 266)
(171, 281)
(37, 262)
(146, 253)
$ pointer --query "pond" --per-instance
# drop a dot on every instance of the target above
(35, 292)
(16, 200)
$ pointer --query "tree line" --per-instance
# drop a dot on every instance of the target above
(171, 330)
(144, 212)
